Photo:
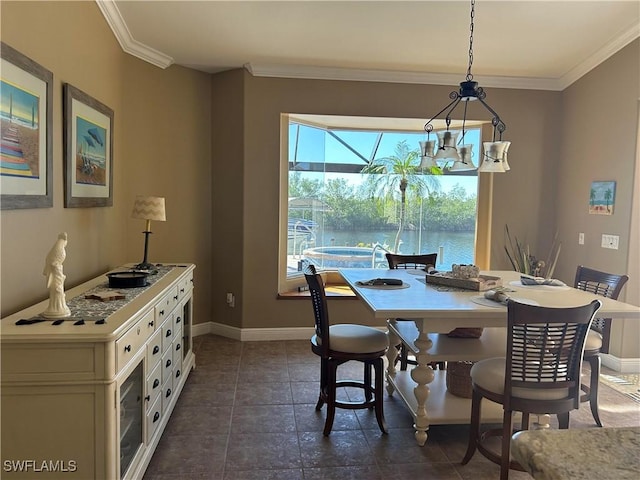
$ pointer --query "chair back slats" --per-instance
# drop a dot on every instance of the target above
(600, 283)
(397, 260)
(320, 310)
(544, 349)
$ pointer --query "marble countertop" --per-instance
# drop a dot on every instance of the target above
(602, 453)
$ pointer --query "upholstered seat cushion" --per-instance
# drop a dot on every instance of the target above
(594, 341)
(348, 338)
(489, 374)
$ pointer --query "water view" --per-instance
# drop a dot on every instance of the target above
(452, 247)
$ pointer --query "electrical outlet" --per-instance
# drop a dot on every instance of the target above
(581, 238)
(610, 241)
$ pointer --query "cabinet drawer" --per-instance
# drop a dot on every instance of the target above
(178, 319)
(167, 365)
(167, 395)
(177, 355)
(154, 418)
(154, 349)
(165, 306)
(185, 285)
(167, 334)
(130, 343)
(154, 385)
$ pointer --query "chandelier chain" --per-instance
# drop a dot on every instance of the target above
(473, 11)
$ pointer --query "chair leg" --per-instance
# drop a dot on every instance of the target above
(563, 420)
(507, 430)
(332, 368)
(367, 382)
(474, 427)
(323, 384)
(524, 425)
(378, 366)
(594, 363)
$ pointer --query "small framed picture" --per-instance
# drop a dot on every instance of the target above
(602, 198)
(88, 150)
(26, 138)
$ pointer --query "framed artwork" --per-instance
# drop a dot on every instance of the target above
(88, 150)
(26, 137)
(602, 198)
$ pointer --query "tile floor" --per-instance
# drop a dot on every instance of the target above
(247, 412)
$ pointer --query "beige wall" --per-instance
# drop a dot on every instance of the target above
(600, 128)
(161, 147)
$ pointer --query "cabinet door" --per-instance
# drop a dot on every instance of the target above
(131, 413)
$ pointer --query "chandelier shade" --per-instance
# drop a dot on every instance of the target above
(449, 141)
(492, 157)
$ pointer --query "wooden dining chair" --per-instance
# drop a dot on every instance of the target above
(421, 261)
(341, 343)
(540, 373)
(608, 285)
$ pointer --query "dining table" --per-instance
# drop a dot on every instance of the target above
(420, 314)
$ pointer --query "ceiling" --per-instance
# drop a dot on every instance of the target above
(521, 44)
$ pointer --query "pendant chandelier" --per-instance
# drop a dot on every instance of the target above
(452, 153)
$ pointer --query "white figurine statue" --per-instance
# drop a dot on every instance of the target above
(55, 279)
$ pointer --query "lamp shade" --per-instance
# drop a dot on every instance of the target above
(149, 208)
(426, 160)
(466, 159)
(492, 157)
(447, 145)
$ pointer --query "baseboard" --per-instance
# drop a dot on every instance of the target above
(253, 334)
(622, 365)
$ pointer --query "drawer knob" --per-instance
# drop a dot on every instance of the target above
(168, 363)
(156, 349)
(182, 290)
(147, 398)
(156, 383)
(177, 347)
(178, 319)
(151, 323)
(156, 417)
(175, 297)
(161, 312)
(168, 394)
(177, 373)
(127, 348)
(168, 333)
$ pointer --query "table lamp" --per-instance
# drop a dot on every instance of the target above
(148, 208)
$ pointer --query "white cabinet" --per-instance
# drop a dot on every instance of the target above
(90, 399)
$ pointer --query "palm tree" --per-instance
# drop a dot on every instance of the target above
(400, 172)
(607, 197)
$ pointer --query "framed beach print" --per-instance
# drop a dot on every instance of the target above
(26, 137)
(88, 150)
(602, 198)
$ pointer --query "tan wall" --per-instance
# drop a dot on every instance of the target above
(161, 146)
(600, 125)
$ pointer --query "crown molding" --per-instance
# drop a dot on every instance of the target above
(130, 45)
(388, 76)
(617, 44)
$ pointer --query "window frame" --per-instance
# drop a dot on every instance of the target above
(482, 248)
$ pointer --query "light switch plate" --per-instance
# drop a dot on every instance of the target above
(581, 238)
(610, 241)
